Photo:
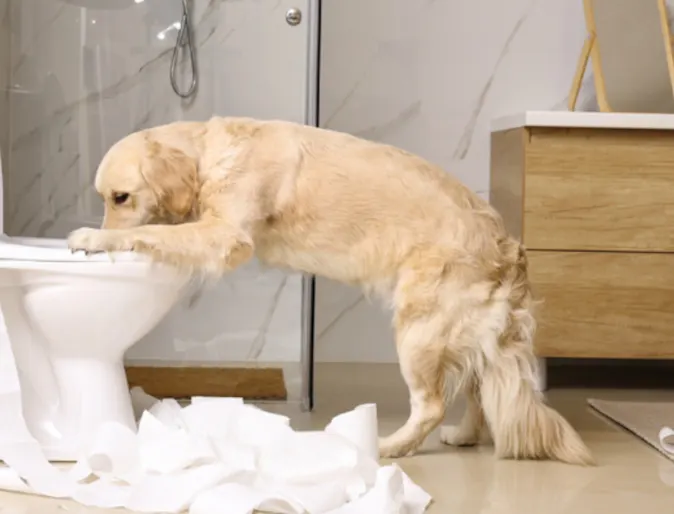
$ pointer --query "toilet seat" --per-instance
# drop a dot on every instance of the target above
(37, 253)
(33, 249)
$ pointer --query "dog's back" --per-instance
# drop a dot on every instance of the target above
(365, 206)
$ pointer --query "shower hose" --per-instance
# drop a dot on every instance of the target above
(184, 39)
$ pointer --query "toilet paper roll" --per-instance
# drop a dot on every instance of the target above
(114, 453)
(666, 437)
(360, 427)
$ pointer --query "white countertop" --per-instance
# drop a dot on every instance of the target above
(617, 120)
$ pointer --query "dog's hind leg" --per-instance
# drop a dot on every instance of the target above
(420, 351)
(472, 426)
(421, 332)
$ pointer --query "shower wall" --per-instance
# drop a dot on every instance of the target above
(84, 73)
(4, 77)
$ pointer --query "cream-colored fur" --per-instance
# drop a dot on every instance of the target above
(208, 196)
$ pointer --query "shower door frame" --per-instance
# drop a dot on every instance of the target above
(313, 18)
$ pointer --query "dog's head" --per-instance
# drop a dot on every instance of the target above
(144, 181)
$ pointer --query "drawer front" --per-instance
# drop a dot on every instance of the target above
(610, 190)
(604, 305)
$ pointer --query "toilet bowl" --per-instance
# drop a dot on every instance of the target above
(65, 322)
(68, 319)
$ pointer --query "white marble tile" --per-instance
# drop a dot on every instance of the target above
(429, 76)
(5, 56)
(115, 79)
(254, 315)
(83, 77)
(350, 327)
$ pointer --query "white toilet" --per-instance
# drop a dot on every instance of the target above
(69, 319)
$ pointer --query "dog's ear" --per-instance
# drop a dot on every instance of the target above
(172, 176)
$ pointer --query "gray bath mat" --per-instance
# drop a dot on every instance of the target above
(643, 419)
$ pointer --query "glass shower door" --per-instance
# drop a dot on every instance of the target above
(263, 65)
(85, 73)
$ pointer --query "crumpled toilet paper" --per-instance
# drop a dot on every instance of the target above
(222, 456)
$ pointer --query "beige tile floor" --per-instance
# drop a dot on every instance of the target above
(631, 477)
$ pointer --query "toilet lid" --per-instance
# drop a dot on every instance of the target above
(55, 250)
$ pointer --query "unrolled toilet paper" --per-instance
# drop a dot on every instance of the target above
(221, 456)
(242, 499)
(141, 401)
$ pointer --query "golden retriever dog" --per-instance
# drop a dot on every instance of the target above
(208, 196)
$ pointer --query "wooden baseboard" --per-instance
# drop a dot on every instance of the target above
(610, 374)
(176, 382)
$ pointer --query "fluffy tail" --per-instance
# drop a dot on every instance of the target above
(522, 426)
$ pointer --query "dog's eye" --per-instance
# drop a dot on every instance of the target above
(120, 198)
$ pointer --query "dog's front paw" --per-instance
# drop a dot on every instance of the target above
(92, 240)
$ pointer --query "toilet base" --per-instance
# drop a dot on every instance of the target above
(91, 392)
(69, 320)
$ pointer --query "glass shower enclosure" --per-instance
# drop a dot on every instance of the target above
(81, 74)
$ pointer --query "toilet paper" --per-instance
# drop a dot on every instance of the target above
(115, 454)
(28, 461)
(141, 401)
(306, 458)
(360, 427)
(175, 492)
(167, 412)
(221, 456)
(393, 493)
(242, 499)
(666, 437)
(11, 481)
(170, 448)
(104, 494)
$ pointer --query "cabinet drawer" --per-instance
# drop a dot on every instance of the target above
(604, 305)
(599, 189)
